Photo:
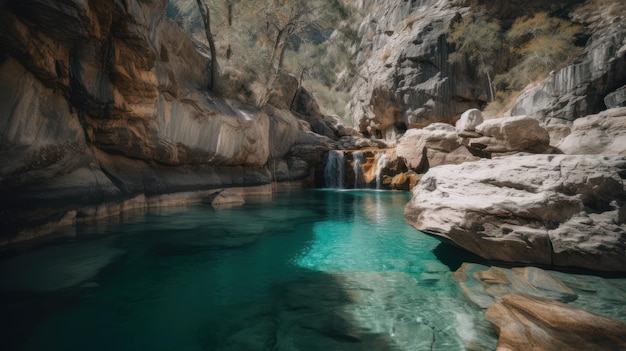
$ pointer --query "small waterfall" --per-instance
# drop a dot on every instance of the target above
(334, 172)
(359, 159)
(383, 160)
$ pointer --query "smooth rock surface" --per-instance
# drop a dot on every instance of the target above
(561, 210)
(224, 198)
(511, 134)
(603, 133)
(469, 120)
(413, 145)
(527, 322)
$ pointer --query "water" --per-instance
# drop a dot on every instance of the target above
(311, 270)
(334, 172)
(358, 160)
(381, 163)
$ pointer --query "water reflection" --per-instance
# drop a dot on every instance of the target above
(336, 270)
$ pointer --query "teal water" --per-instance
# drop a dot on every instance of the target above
(311, 270)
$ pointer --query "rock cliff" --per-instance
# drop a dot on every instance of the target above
(105, 106)
(405, 79)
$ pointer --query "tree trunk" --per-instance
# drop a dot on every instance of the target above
(276, 51)
(206, 17)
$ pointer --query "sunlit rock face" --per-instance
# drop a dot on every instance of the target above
(580, 89)
(106, 101)
(405, 77)
(604, 133)
(546, 209)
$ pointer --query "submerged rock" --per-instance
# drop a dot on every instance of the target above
(562, 210)
(527, 322)
(485, 285)
(224, 198)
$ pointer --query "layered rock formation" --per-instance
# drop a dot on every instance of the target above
(105, 106)
(531, 323)
(405, 79)
(545, 209)
(580, 89)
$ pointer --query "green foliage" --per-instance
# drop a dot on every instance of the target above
(254, 39)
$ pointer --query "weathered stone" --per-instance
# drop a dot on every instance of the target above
(469, 120)
(526, 322)
(78, 78)
(406, 79)
(405, 181)
(548, 209)
(558, 132)
(413, 145)
(511, 134)
(486, 285)
(616, 98)
(224, 198)
(283, 90)
(604, 133)
(454, 157)
(579, 89)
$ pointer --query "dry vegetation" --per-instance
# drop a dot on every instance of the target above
(512, 58)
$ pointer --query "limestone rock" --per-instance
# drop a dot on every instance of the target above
(558, 132)
(511, 134)
(485, 285)
(579, 89)
(405, 181)
(616, 98)
(604, 133)
(413, 145)
(469, 120)
(224, 198)
(356, 143)
(561, 210)
(405, 79)
(527, 322)
(283, 90)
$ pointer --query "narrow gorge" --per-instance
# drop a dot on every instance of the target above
(305, 175)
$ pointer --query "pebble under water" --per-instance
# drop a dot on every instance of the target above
(311, 270)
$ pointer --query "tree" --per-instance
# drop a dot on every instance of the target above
(542, 43)
(206, 18)
(479, 41)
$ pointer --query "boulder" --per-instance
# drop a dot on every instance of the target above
(603, 133)
(526, 322)
(511, 134)
(562, 210)
(616, 98)
(469, 120)
(413, 145)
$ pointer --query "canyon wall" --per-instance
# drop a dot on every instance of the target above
(105, 106)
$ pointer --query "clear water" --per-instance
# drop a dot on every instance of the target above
(312, 270)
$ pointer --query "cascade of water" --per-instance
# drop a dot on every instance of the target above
(334, 173)
(382, 162)
(358, 159)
